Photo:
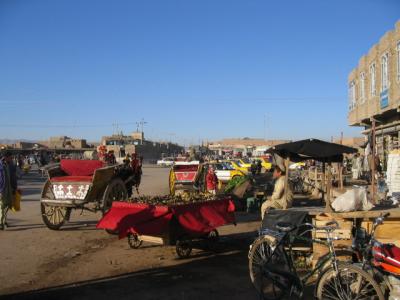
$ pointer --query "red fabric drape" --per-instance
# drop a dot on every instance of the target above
(144, 219)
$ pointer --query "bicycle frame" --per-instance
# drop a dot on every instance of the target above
(288, 252)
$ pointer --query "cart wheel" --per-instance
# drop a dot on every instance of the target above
(134, 241)
(172, 182)
(212, 240)
(54, 216)
(115, 191)
(183, 248)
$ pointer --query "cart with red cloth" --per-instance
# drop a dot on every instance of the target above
(178, 225)
(82, 184)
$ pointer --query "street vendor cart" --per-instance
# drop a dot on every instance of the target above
(178, 225)
(82, 184)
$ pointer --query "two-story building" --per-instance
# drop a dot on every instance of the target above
(374, 92)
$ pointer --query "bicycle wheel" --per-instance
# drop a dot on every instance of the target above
(351, 282)
(260, 257)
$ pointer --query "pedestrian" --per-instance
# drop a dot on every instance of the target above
(259, 167)
(253, 168)
(8, 187)
(211, 181)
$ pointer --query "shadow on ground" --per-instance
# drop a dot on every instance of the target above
(205, 276)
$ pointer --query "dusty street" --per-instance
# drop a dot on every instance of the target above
(81, 262)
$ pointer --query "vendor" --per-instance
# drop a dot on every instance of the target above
(280, 198)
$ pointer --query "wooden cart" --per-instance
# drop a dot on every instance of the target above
(81, 184)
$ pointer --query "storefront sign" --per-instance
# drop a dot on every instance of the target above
(384, 99)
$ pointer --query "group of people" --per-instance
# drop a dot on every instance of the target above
(361, 166)
(8, 186)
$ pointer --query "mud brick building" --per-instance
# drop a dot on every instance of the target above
(374, 92)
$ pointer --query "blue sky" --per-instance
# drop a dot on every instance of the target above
(194, 70)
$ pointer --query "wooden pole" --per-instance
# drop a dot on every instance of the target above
(323, 181)
(286, 177)
(373, 148)
(341, 176)
(341, 165)
(328, 189)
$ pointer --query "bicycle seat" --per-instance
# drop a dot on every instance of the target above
(285, 227)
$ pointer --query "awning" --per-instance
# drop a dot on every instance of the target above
(312, 149)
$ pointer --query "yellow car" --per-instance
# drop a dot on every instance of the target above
(237, 165)
(245, 162)
(265, 163)
(225, 172)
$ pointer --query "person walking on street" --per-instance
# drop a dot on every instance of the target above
(8, 187)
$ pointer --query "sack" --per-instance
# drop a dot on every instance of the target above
(16, 203)
(353, 200)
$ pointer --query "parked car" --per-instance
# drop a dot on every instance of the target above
(236, 164)
(165, 162)
(265, 162)
(225, 171)
(245, 162)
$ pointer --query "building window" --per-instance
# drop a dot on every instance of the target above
(352, 95)
(398, 61)
(362, 87)
(384, 72)
(372, 75)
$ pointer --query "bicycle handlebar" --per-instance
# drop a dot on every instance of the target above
(329, 226)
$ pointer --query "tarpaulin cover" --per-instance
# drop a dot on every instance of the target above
(144, 219)
(138, 218)
(204, 217)
(312, 149)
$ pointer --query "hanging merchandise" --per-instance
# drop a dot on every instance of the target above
(393, 172)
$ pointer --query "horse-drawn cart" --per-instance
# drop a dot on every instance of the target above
(179, 225)
(82, 184)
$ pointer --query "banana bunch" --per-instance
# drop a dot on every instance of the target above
(181, 199)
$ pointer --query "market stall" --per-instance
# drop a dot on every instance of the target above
(317, 150)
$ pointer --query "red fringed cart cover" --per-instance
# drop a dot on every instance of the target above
(195, 218)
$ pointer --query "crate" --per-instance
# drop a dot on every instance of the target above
(343, 233)
(320, 250)
(388, 232)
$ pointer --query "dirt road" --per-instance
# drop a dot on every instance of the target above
(81, 262)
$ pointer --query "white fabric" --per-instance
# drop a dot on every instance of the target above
(393, 173)
(353, 200)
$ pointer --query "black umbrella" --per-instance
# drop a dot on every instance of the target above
(312, 149)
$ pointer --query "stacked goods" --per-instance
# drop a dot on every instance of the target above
(343, 233)
(175, 200)
(393, 172)
(235, 182)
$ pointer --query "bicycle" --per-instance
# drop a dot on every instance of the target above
(274, 275)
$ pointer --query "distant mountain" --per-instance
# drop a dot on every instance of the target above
(13, 141)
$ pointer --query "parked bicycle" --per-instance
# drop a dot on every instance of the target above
(274, 274)
(380, 260)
